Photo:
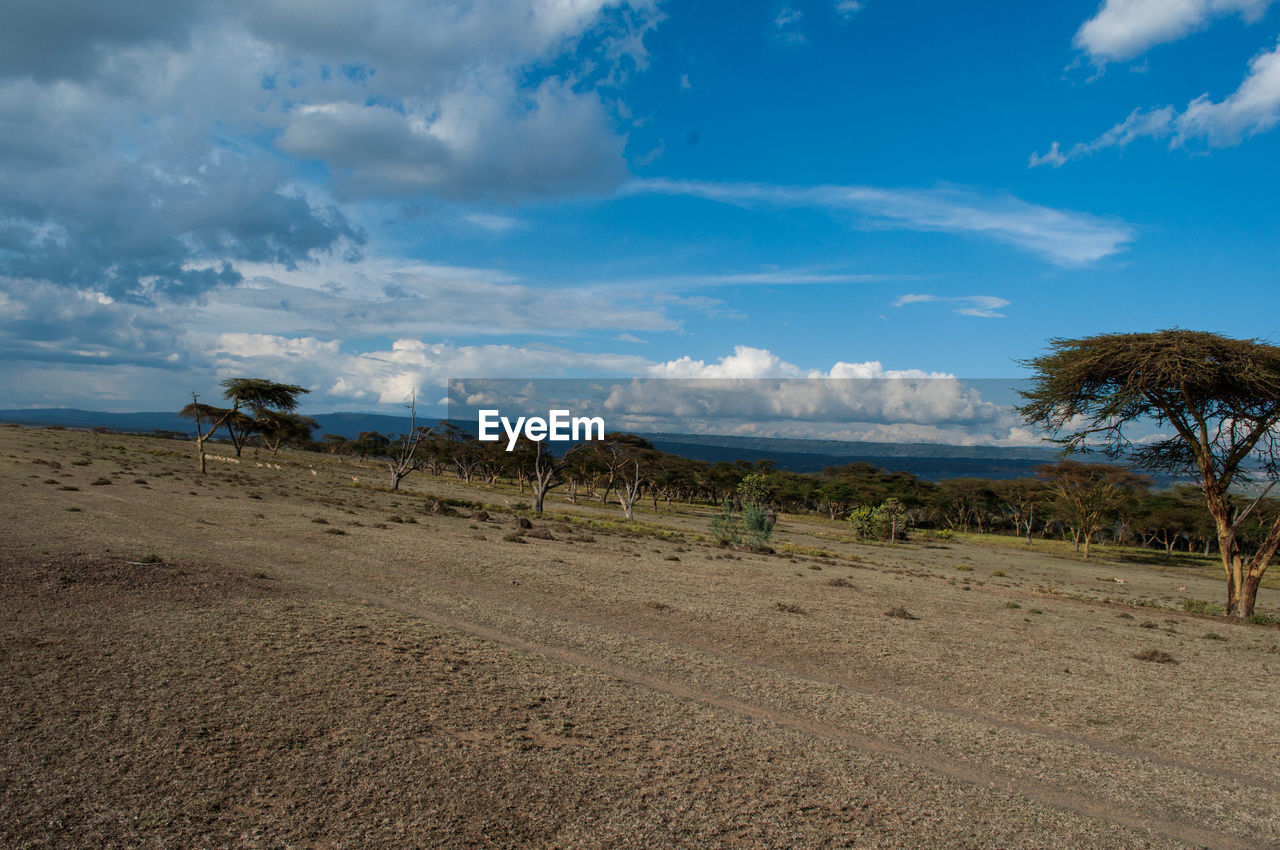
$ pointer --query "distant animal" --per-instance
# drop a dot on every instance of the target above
(1117, 580)
(313, 472)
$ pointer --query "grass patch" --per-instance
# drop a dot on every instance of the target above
(900, 613)
(1201, 606)
(1155, 656)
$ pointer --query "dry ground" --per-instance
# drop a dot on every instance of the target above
(266, 681)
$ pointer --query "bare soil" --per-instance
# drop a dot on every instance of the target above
(203, 661)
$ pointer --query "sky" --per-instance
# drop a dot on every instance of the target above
(371, 198)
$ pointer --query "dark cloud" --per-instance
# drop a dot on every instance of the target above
(69, 39)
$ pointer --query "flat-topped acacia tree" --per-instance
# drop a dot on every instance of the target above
(1219, 397)
(253, 400)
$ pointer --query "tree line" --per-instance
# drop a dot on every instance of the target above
(1213, 401)
(1083, 503)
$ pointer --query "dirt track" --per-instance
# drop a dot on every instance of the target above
(273, 683)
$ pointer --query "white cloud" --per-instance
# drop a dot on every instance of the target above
(1253, 108)
(846, 9)
(745, 362)
(786, 26)
(981, 306)
(388, 297)
(388, 376)
(492, 222)
(1064, 238)
(1124, 28)
(485, 139)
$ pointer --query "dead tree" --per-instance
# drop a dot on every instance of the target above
(406, 459)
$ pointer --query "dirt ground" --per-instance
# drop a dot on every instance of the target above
(295, 657)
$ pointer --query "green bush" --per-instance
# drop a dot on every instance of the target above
(1200, 606)
(727, 528)
(889, 521)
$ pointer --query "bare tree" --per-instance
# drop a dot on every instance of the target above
(630, 484)
(548, 472)
(407, 458)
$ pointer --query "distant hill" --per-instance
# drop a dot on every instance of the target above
(929, 461)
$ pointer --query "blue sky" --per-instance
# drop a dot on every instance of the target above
(371, 198)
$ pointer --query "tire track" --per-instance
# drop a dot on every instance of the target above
(1036, 790)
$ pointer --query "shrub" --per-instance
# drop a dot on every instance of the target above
(889, 521)
(727, 528)
(1200, 606)
(998, 574)
(757, 524)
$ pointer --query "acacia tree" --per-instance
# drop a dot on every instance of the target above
(1219, 396)
(252, 401)
(548, 471)
(1019, 499)
(276, 429)
(1087, 496)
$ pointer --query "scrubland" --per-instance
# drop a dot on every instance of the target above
(271, 657)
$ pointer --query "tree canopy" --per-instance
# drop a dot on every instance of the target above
(1219, 396)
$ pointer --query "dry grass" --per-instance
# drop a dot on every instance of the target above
(261, 682)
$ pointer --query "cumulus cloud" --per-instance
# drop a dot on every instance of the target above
(753, 391)
(388, 376)
(1253, 108)
(140, 141)
(1062, 237)
(1123, 29)
(485, 140)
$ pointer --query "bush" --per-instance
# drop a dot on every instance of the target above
(889, 521)
(1200, 606)
(756, 521)
(727, 528)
